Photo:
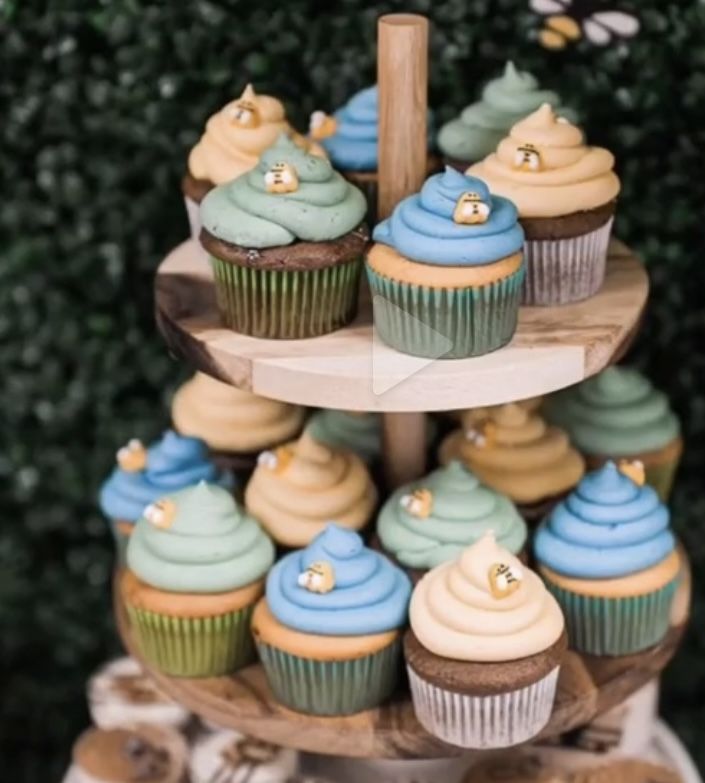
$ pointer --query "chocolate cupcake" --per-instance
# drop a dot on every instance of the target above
(286, 243)
(566, 194)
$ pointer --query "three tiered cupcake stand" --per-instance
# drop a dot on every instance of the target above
(350, 369)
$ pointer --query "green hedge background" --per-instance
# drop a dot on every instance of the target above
(100, 102)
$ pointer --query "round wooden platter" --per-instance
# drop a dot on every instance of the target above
(351, 369)
(587, 687)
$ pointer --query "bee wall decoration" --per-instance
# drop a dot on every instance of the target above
(567, 21)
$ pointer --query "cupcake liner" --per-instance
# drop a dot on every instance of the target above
(615, 626)
(286, 304)
(331, 687)
(193, 211)
(483, 722)
(445, 323)
(559, 271)
(194, 647)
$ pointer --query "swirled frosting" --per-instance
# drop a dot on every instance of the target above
(314, 484)
(370, 595)
(608, 527)
(572, 177)
(232, 420)
(525, 458)
(454, 612)
(462, 511)
(227, 149)
(422, 226)
(616, 413)
(211, 546)
(173, 462)
(359, 432)
(325, 206)
(482, 125)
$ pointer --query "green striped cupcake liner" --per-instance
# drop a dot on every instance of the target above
(197, 646)
(615, 626)
(446, 323)
(331, 687)
(286, 304)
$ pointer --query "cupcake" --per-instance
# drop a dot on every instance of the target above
(350, 137)
(515, 452)
(286, 242)
(231, 757)
(196, 570)
(231, 145)
(432, 520)
(482, 125)
(360, 432)
(609, 557)
(144, 475)
(120, 694)
(446, 270)
(135, 754)
(566, 195)
(237, 425)
(296, 489)
(619, 415)
(328, 631)
(484, 650)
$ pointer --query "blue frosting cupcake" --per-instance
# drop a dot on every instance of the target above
(332, 619)
(609, 556)
(449, 257)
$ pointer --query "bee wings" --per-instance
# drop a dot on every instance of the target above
(602, 26)
(549, 6)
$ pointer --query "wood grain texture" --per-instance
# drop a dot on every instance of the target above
(554, 347)
(404, 452)
(587, 687)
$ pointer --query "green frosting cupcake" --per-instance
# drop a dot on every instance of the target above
(359, 432)
(423, 531)
(617, 413)
(325, 206)
(199, 542)
(482, 125)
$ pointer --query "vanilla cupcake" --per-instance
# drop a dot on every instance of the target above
(566, 194)
(231, 145)
(484, 650)
(237, 425)
(298, 488)
(514, 451)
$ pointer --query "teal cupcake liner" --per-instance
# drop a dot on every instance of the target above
(194, 647)
(445, 323)
(331, 687)
(615, 626)
(286, 304)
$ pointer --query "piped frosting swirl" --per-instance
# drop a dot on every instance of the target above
(456, 613)
(370, 595)
(359, 432)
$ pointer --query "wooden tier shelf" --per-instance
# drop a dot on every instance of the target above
(553, 347)
(587, 687)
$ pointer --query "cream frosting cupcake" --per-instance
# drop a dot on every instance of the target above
(566, 194)
(484, 649)
(237, 425)
(514, 451)
(297, 489)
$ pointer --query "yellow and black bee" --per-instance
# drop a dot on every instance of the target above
(527, 158)
(319, 577)
(570, 20)
(281, 178)
(471, 209)
(244, 111)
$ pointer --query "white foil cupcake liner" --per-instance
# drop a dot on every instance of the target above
(484, 722)
(193, 210)
(559, 271)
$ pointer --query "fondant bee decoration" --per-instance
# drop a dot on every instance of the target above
(527, 158)
(244, 111)
(504, 579)
(249, 751)
(633, 469)
(471, 209)
(418, 503)
(133, 457)
(161, 513)
(319, 577)
(322, 125)
(281, 178)
(569, 20)
(276, 460)
(482, 434)
(148, 762)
